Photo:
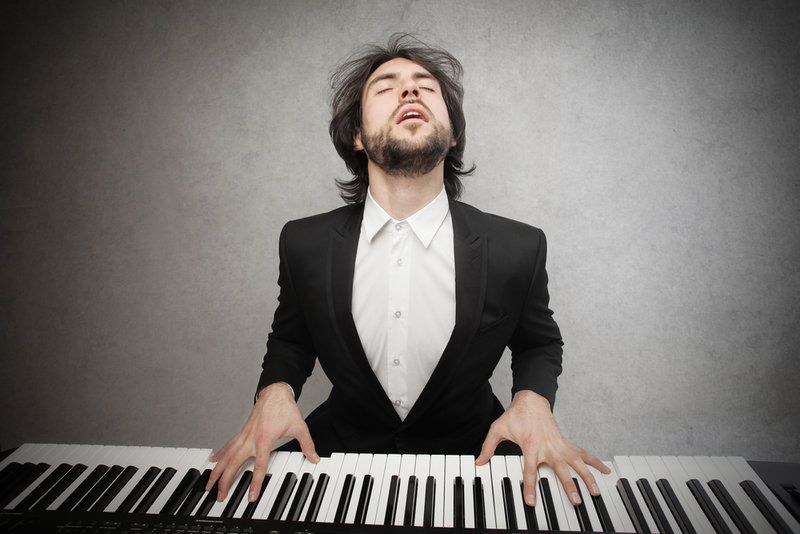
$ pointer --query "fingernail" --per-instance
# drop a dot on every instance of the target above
(531, 500)
(575, 498)
(252, 496)
(595, 489)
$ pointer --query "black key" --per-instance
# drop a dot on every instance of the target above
(208, 502)
(138, 490)
(83, 488)
(602, 513)
(97, 490)
(508, 504)
(530, 511)
(411, 502)
(238, 494)
(662, 524)
(8, 472)
(675, 506)
(195, 495)
(632, 506)
(344, 499)
(251, 506)
(282, 499)
(113, 490)
(731, 507)
(159, 485)
(549, 506)
(60, 487)
(580, 510)
(459, 518)
(765, 507)
(363, 500)
(702, 498)
(43, 487)
(430, 500)
(24, 478)
(391, 502)
(316, 499)
(300, 497)
(480, 510)
(183, 489)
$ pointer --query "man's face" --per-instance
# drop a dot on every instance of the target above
(405, 127)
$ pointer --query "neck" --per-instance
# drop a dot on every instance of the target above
(403, 196)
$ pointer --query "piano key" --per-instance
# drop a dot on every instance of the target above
(411, 501)
(275, 468)
(99, 488)
(376, 470)
(570, 513)
(557, 517)
(333, 470)
(509, 515)
(635, 511)
(458, 503)
(587, 501)
(25, 478)
(625, 470)
(422, 466)
(728, 474)
(468, 475)
(142, 459)
(89, 457)
(486, 513)
(360, 472)
(708, 506)
(320, 486)
(183, 488)
(250, 507)
(677, 478)
(407, 462)
(498, 470)
(581, 510)
(377, 515)
(347, 466)
(164, 460)
(195, 495)
(187, 461)
(761, 502)
(452, 469)
(609, 522)
(437, 471)
(606, 524)
(50, 454)
(675, 506)
(746, 473)
(514, 470)
(652, 503)
(643, 470)
(546, 498)
(27, 501)
(83, 488)
(694, 472)
(153, 493)
(363, 500)
(238, 496)
(284, 492)
(392, 500)
(730, 506)
(480, 501)
(613, 499)
(344, 498)
(306, 467)
(114, 490)
(302, 494)
(138, 491)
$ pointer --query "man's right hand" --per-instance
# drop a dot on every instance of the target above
(274, 416)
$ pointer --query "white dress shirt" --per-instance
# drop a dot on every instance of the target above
(404, 298)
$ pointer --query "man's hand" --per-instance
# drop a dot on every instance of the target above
(529, 423)
(274, 416)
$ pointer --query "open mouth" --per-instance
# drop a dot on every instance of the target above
(413, 114)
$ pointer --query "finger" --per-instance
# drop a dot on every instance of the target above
(530, 474)
(303, 437)
(216, 473)
(215, 457)
(488, 447)
(594, 462)
(228, 476)
(563, 473)
(259, 469)
(587, 477)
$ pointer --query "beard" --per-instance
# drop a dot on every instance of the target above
(400, 157)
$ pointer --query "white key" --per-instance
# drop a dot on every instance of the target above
(49, 454)
(319, 469)
(484, 473)
(293, 464)
(348, 466)
(498, 467)
(275, 470)
(362, 469)
(422, 467)
(188, 461)
(747, 473)
(468, 475)
(569, 509)
(613, 499)
(693, 470)
(588, 503)
(407, 462)
(677, 479)
(730, 478)
(452, 469)
(159, 457)
(643, 471)
(376, 470)
(392, 468)
(91, 456)
(605, 493)
(438, 472)
(305, 467)
(138, 460)
(625, 470)
(514, 470)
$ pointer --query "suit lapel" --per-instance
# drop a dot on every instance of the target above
(343, 246)
(469, 251)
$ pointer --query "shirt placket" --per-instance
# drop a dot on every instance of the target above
(398, 304)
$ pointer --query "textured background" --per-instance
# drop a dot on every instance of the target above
(151, 151)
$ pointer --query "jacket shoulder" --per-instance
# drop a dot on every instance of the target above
(498, 226)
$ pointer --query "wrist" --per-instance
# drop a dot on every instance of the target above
(276, 388)
(531, 397)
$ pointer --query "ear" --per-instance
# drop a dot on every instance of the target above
(357, 141)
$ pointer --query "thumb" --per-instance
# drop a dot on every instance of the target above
(488, 447)
(303, 437)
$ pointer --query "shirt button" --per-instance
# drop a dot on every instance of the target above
(397, 402)
(396, 361)
(397, 314)
(400, 261)
(398, 226)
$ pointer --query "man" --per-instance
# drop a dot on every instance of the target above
(408, 297)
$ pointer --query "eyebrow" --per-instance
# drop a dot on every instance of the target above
(395, 75)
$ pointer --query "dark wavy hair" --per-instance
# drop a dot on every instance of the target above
(347, 84)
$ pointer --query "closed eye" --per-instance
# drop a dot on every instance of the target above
(383, 90)
(431, 89)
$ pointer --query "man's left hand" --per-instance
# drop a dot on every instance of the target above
(529, 423)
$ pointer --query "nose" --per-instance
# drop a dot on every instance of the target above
(410, 89)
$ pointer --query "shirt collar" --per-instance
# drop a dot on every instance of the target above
(424, 223)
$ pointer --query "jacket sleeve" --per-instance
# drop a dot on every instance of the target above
(290, 352)
(536, 345)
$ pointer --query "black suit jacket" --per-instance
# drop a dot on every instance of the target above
(501, 300)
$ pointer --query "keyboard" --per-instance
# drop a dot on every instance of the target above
(98, 488)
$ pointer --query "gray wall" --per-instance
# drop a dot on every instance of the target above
(151, 152)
